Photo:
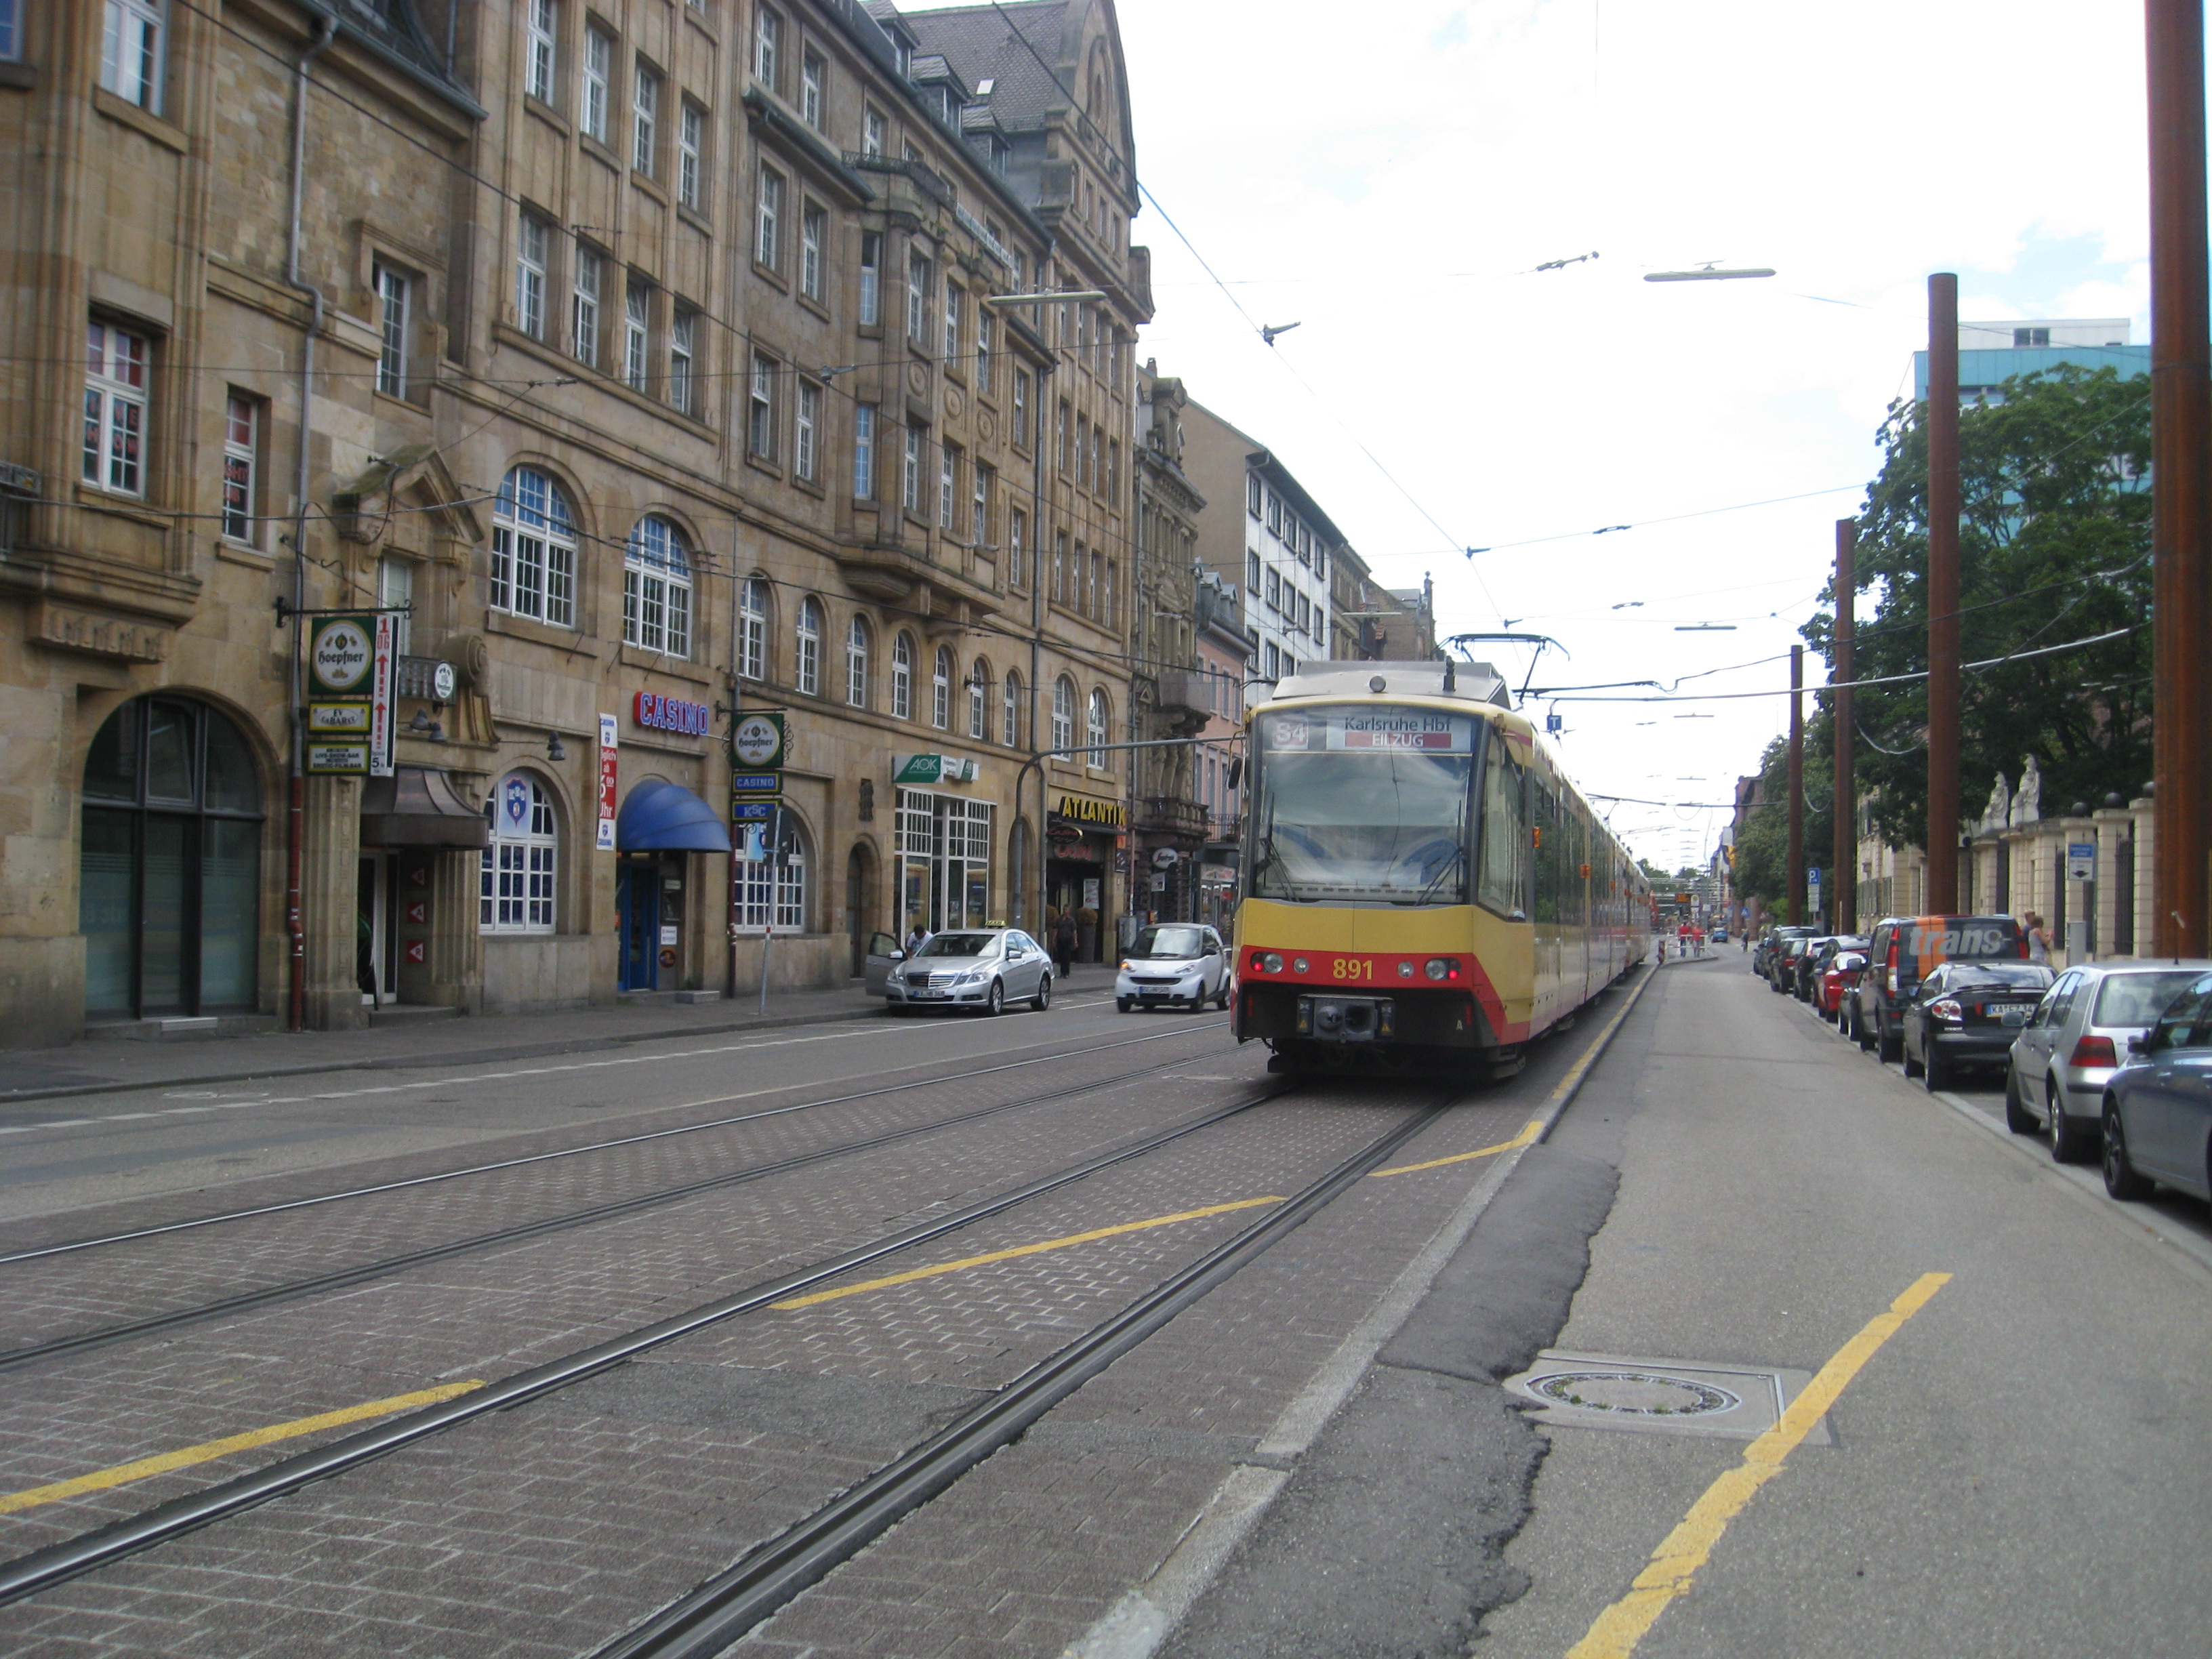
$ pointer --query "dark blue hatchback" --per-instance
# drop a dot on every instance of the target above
(2158, 1107)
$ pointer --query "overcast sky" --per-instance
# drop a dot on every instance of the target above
(1387, 176)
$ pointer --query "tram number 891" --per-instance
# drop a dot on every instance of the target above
(1351, 968)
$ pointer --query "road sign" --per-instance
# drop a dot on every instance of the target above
(757, 742)
(2081, 861)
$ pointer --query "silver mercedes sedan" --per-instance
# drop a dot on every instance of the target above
(980, 969)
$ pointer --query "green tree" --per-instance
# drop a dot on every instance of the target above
(2054, 545)
(1761, 869)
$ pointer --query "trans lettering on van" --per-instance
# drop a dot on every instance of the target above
(1964, 941)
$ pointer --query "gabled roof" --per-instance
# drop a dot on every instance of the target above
(979, 42)
(391, 30)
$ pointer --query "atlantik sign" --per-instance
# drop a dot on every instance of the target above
(693, 720)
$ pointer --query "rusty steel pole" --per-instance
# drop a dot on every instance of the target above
(1797, 910)
(1845, 875)
(2181, 516)
(1943, 417)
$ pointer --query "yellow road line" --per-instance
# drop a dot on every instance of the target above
(207, 1451)
(1525, 1138)
(1675, 1563)
(1038, 1249)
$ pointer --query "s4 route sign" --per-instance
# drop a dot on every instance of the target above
(756, 742)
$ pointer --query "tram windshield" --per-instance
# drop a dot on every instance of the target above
(1363, 804)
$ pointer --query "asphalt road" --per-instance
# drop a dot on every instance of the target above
(2019, 1468)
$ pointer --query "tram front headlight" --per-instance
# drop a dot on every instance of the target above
(1267, 962)
(1298, 966)
(1405, 970)
(1442, 968)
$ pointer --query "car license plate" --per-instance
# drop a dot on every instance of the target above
(2015, 1016)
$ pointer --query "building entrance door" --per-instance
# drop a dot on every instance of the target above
(376, 957)
(637, 908)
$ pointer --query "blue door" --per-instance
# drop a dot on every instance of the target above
(637, 907)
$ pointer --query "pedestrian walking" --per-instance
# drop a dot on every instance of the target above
(2039, 942)
(1063, 942)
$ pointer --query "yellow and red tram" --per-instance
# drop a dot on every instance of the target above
(1421, 885)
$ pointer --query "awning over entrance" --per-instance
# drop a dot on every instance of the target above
(666, 817)
(418, 807)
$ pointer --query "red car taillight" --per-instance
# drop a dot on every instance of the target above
(2093, 1051)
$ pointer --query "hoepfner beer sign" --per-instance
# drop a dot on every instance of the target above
(340, 655)
(352, 665)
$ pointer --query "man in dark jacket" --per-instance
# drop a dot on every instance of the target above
(1063, 942)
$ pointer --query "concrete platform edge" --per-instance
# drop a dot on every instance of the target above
(1136, 1626)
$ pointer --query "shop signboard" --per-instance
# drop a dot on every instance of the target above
(1086, 809)
(756, 785)
(752, 811)
(338, 757)
(338, 717)
(756, 743)
(608, 740)
(660, 714)
(351, 662)
(934, 768)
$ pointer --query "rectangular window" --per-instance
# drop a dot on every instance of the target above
(872, 278)
(953, 297)
(682, 372)
(645, 121)
(391, 298)
(131, 47)
(11, 30)
(813, 228)
(760, 406)
(1082, 451)
(117, 369)
(978, 523)
(530, 276)
(948, 489)
(813, 77)
(1022, 408)
(768, 46)
(1113, 471)
(1060, 436)
(241, 456)
(987, 328)
(1274, 589)
(1059, 589)
(1252, 575)
(395, 591)
(1017, 542)
(690, 144)
(637, 312)
(910, 471)
(539, 20)
(917, 300)
(767, 220)
(1252, 493)
(864, 452)
(1095, 474)
(872, 133)
(594, 96)
(806, 420)
(584, 307)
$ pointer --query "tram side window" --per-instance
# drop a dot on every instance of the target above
(1500, 885)
(1544, 820)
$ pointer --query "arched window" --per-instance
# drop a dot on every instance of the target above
(779, 882)
(1097, 724)
(807, 673)
(515, 893)
(1063, 714)
(169, 881)
(657, 588)
(856, 662)
(901, 678)
(752, 628)
(1011, 713)
(533, 549)
(940, 690)
(979, 701)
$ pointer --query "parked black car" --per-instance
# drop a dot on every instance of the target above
(1967, 1013)
(1762, 951)
(1903, 951)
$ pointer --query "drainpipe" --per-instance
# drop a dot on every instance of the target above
(326, 30)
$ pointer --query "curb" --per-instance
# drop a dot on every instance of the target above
(1146, 1614)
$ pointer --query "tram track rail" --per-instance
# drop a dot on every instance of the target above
(386, 1266)
(71, 1558)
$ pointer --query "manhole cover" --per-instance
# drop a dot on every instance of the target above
(1633, 1394)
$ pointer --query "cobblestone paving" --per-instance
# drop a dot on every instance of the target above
(545, 1530)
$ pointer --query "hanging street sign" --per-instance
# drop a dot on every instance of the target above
(743, 784)
(756, 742)
(384, 666)
(340, 656)
(352, 665)
(338, 717)
(752, 811)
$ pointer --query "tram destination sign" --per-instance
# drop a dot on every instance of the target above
(1370, 729)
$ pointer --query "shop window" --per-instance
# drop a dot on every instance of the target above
(657, 588)
(533, 549)
(515, 891)
(169, 878)
(943, 846)
(779, 883)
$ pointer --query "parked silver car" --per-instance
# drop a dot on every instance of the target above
(982, 969)
(2062, 1060)
(1176, 964)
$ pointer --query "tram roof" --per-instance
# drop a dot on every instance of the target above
(1472, 682)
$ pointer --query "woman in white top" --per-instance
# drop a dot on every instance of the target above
(2039, 942)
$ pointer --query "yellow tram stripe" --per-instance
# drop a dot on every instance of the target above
(123, 1475)
(1675, 1563)
(1038, 1249)
(1527, 1137)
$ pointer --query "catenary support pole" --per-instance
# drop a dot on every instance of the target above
(1942, 414)
(1845, 877)
(1795, 910)
(2181, 515)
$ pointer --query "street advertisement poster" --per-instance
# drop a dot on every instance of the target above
(607, 739)
(384, 667)
(351, 670)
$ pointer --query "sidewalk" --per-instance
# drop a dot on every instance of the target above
(98, 1067)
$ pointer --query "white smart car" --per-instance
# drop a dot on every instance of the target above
(1173, 965)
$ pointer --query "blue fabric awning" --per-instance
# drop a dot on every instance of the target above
(666, 817)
